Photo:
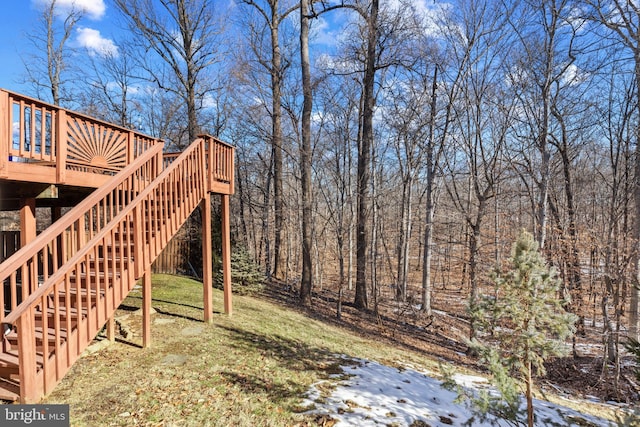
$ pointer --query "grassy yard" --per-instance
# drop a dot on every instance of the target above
(251, 369)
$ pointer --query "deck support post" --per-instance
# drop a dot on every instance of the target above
(207, 261)
(146, 308)
(27, 220)
(226, 254)
(111, 329)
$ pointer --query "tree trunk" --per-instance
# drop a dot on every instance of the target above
(364, 160)
(276, 140)
(432, 161)
(634, 309)
(305, 156)
(403, 241)
(427, 255)
(529, 381)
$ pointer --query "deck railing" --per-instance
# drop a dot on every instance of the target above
(32, 131)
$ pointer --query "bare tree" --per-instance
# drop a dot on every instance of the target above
(453, 73)
(183, 35)
(273, 13)
(305, 155)
(365, 146)
(111, 87)
(483, 118)
(338, 101)
(49, 70)
(622, 18)
(615, 181)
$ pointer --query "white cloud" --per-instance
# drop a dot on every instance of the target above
(321, 32)
(94, 9)
(573, 75)
(336, 64)
(93, 41)
(427, 11)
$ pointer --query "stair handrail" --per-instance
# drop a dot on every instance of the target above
(50, 236)
(15, 314)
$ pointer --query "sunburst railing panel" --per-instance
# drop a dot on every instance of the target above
(95, 146)
(52, 136)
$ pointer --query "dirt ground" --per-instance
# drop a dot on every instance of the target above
(443, 336)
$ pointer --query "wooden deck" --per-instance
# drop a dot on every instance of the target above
(125, 201)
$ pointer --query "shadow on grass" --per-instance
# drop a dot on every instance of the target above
(397, 332)
(292, 355)
(129, 343)
(179, 304)
(178, 315)
(253, 384)
(162, 311)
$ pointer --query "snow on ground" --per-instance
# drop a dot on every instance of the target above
(377, 395)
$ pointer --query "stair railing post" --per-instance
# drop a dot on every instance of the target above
(210, 163)
(232, 170)
(226, 255)
(5, 133)
(207, 263)
(27, 357)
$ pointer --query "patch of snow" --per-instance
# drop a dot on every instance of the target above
(379, 395)
(470, 381)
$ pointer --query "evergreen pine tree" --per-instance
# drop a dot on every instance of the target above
(246, 276)
(520, 326)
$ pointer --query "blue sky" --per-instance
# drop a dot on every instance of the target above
(15, 19)
(100, 25)
(18, 17)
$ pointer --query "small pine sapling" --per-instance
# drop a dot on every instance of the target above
(246, 275)
(519, 327)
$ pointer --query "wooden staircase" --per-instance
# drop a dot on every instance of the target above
(61, 289)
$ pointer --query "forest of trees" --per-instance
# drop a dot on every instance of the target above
(397, 143)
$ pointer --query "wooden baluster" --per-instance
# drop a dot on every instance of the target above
(27, 356)
(131, 154)
(59, 144)
(45, 344)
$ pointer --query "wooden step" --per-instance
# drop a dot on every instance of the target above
(108, 260)
(12, 337)
(62, 312)
(117, 250)
(83, 291)
(8, 363)
(10, 359)
(9, 390)
(73, 295)
(102, 276)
